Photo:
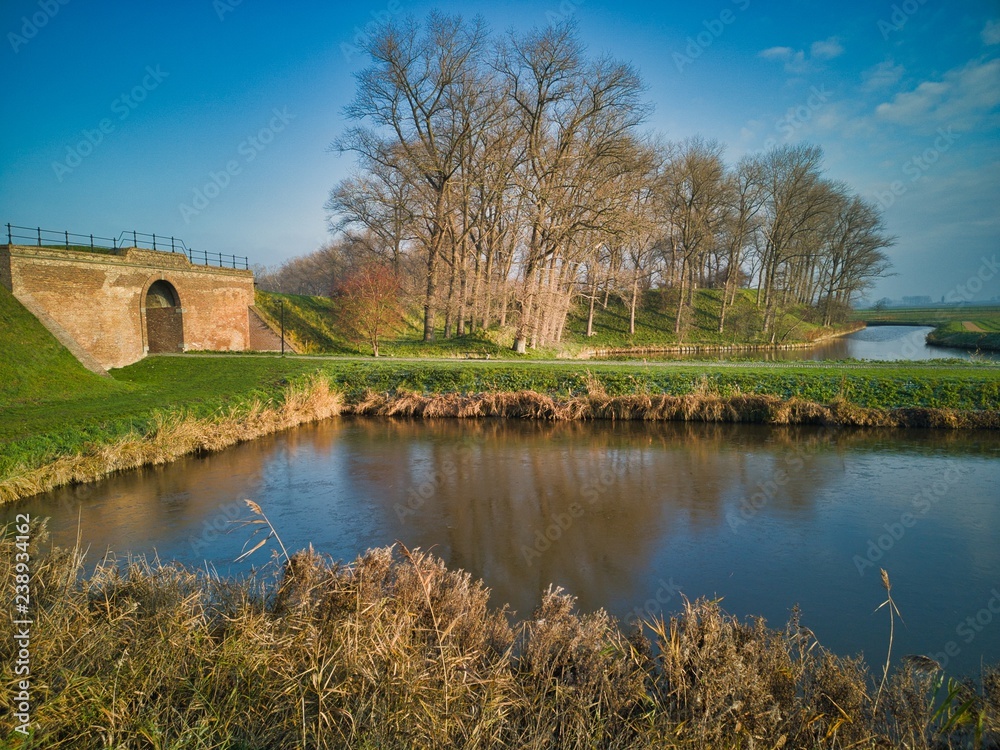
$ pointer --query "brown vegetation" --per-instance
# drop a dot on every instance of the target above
(396, 651)
(694, 407)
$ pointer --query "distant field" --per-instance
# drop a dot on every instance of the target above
(933, 316)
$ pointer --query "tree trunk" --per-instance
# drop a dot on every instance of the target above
(632, 303)
(590, 312)
(429, 298)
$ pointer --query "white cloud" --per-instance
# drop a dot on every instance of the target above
(881, 76)
(797, 61)
(776, 53)
(991, 32)
(961, 99)
(827, 49)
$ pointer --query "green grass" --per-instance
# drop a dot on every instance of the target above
(955, 334)
(656, 316)
(310, 322)
(34, 433)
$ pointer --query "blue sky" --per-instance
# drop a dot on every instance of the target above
(211, 121)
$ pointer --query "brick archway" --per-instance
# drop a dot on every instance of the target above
(164, 318)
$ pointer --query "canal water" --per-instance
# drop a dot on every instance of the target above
(888, 343)
(626, 516)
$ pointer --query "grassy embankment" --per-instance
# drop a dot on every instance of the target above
(311, 325)
(163, 407)
(396, 651)
(399, 652)
(965, 327)
(62, 424)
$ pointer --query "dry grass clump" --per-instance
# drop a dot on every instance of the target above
(396, 651)
(176, 435)
(704, 405)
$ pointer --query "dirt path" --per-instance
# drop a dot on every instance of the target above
(970, 326)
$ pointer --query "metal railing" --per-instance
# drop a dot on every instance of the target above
(50, 238)
(74, 241)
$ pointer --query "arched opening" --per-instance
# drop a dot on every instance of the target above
(164, 321)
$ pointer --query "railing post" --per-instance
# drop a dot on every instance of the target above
(154, 240)
(39, 236)
(10, 240)
(172, 244)
(91, 242)
(66, 232)
(135, 242)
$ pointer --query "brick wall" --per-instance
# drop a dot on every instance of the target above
(99, 298)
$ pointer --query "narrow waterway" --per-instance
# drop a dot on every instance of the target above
(886, 343)
(626, 516)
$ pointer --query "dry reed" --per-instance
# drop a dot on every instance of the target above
(396, 651)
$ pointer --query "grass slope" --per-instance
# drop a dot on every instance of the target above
(311, 325)
(35, 367)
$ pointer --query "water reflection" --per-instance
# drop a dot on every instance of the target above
(623, 515)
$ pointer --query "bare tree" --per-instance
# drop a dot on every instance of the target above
(577, 118)
(411, 95)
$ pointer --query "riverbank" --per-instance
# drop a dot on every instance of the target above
(394, 650)
(977, 335)
(171, 406)
(818, 337)
(975, 328)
